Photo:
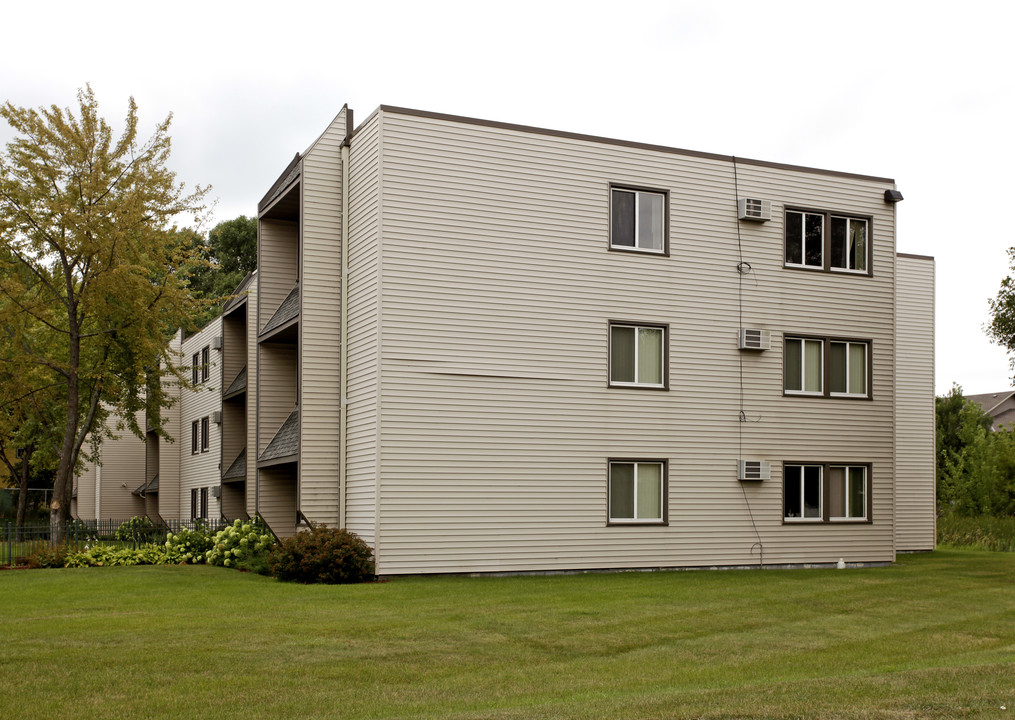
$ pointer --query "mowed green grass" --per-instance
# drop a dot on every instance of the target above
(930, 637)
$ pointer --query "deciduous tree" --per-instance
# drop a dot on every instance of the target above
(92, 280)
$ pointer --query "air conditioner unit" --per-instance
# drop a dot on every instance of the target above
(754, 339)
(754, 470)
(216, 342)
(216, 417)
(754, 209)
(216, 491)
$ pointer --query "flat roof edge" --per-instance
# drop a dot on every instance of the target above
(626, 143)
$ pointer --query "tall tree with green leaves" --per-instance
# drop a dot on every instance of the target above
(229, 254)
(1001, 328)
(93, 278)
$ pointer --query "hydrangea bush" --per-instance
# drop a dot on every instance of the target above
(242, 545)
(187, 546)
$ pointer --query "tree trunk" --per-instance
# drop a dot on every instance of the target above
(23, 487)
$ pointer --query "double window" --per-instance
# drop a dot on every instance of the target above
(637, 491)
(199, 504)
(638, 220)
(826, 492)
(826, 367)
(825, 241)
(200, 435)
(637, 355)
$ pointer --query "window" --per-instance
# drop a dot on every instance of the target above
(805, 240)
(638, 220)
(847, 368)
(845, 364)
(195, 368)
(205, 363)
(803, 366)
(807, 486)
(849, 244)
(193, 438)
(637, 355)
(195, 507)
(204, 503)
(847, 492)
(205, 433)
(637, 491)
(823, 241)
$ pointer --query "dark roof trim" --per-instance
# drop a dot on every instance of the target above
(239, 296)
(915, 257)
(625, 143)
(283, 181)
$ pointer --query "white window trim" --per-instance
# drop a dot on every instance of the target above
(661, 520)
(803, 242)
(866, 497)
(867, 258)
(866, 365)
(637, 221)
(821, 494)
(803, 369)
(662, 360)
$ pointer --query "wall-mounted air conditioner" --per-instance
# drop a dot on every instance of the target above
(216, 491)
(754, 209)
(754, 470)
(754, 339)
(216, 342)
(216, 417)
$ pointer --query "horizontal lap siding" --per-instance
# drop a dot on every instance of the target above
(320, 325)
(171, 506)
(915, 453)
(123, 470)
(496, 424)
(276, 384)
(201, 470)
(277, 498)
(278, 255)
(252, 375)
(361, 415)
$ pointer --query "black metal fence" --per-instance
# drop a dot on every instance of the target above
(17, 544)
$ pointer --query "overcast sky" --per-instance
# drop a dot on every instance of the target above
(916, 91)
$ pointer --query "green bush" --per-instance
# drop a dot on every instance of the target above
(134, 528)
(107, 555)
(188, 546)
(242, 545)
(323, 555)
(48, 557)
(984, 532)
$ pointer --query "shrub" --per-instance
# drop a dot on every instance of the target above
(107, 555)
(323, 555)
(242, 545)
(984, 532)
(48, 557)
(188, 546)
(134, 528)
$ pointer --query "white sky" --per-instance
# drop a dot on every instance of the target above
(917, 91)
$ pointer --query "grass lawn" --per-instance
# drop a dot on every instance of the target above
(931, 637)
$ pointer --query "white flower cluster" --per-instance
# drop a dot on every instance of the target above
(237, 542)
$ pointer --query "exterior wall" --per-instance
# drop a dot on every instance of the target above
(252, 374)
(201, 469)
(277, 242)
(276, 499)
(496, 291)
(276, 384)
(171, 506)
(320, 324)
(122, 471)
(364, 330)
(84, 504)
(916, 504)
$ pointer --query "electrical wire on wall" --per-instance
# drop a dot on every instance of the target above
(743, 268)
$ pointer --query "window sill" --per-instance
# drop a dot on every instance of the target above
(802, 521)
(637, 386)
(639, 251)
(636, 523)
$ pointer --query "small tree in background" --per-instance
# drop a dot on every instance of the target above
(94, 268)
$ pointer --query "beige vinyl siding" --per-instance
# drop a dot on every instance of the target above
(276, 384)
(252, 374)
(84, 505)
(495, 420)
(277, 498)
(277, 255)
(361, 417)
(916, 516)
(122, 471)
(201, 470)
(320, 321)
(169, 451)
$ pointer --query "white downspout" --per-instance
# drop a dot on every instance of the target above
(344, 335)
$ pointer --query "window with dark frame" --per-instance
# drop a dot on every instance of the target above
(826, 492)
(638, 220)
(195, 368)
(826, 367)
(204, 503)
(205, 363)
(637, 492)
(195, 509)
(205, 434)
(637, 355)
(817, 240)
(194, 438)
